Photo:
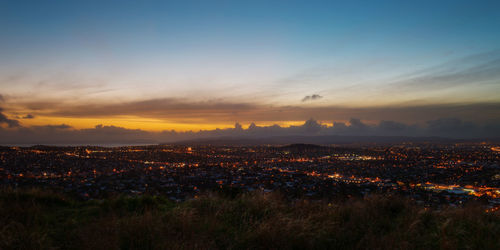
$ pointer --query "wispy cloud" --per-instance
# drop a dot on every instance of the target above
(476, 69)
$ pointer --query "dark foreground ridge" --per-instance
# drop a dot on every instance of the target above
(36, 219)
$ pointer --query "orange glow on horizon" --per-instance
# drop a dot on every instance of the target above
(147, 124)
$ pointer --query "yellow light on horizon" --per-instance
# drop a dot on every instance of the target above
(146, 124)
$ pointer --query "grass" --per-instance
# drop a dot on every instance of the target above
(37, 219)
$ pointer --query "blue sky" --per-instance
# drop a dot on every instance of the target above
(269, 54)
(310, 28)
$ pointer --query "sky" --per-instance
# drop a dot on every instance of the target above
(186, 66)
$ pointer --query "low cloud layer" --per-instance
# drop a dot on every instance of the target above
(111, 135)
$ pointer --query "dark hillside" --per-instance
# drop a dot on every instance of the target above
(36, 219)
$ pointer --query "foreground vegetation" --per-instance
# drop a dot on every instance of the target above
(36, 219)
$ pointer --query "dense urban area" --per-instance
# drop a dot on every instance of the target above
(430, 174)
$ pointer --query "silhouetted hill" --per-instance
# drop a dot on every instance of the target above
(301, 147)
(40, 219)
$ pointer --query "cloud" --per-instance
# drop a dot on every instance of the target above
(52, 127)
(453, 127)
(10, 122)
(176, 110)
(112, 135)
(28, 116)
(63, 134)
(392, 126)
(476, 69)
(311, 98)
(311, 126)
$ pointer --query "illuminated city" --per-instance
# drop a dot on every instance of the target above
(433, 175)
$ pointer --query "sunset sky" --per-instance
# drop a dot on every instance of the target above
(201, 65)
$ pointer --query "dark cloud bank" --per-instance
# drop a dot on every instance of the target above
(310, 132)
(10, 122)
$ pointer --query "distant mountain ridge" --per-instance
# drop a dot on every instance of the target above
(317, 140)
